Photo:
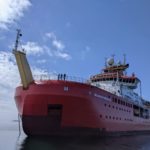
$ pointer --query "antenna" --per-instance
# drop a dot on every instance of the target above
(140, 89)
(124, 55)
(17, 38)
(105, 61)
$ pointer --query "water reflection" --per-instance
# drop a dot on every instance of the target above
(86, 143)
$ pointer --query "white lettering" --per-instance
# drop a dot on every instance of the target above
(103, 97)
(66, 88)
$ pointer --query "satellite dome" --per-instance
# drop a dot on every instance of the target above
(110, 61)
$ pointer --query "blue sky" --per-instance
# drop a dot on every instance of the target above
(74, 37)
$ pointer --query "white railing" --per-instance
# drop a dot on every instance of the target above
(43, 77)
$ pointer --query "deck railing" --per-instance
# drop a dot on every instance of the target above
(43, 77)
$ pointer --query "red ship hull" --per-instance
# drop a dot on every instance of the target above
(67, 108)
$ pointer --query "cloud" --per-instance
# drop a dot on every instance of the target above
(63, 55)
(58, 44)
(12, 10)
(51, 35)
(55, 42)
(33, 48)
(55, 49)
(9, 76)
(58, 47)
(41, 61)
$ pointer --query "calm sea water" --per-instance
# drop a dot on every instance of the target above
(9, 140)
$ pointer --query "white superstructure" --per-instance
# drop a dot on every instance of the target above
(114, 80)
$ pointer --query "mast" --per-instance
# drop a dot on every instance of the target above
(124, 56)
(105, 61)
(22, 63)
(17, 38)
(140, 89)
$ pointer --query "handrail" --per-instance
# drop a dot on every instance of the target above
(43, 77)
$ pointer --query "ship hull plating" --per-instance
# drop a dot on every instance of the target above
(70, 108)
